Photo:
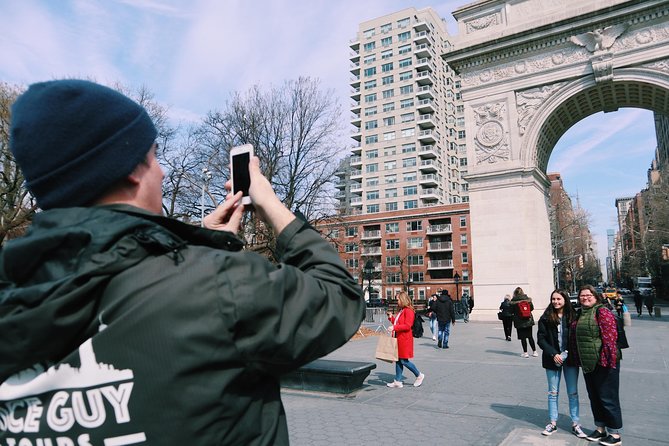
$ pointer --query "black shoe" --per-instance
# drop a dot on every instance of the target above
(596, 435)
(439, 344)
(446, 346)
(508, 338)
(610, 440)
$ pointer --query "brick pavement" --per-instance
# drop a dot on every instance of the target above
(480, 391)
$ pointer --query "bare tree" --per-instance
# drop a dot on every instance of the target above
(17, 206)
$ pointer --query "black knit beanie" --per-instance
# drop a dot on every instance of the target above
(74, 139)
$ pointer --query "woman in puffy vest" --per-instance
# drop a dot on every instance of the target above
(594, 335)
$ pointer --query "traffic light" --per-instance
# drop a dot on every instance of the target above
(580, 261)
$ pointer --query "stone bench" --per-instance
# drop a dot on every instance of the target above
(327, 375)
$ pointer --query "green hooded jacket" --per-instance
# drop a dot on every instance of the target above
(123, 327)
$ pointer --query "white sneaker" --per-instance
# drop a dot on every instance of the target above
(419, 380)
(525, 355)
(434, 338)
(535, 354)
(396, 384)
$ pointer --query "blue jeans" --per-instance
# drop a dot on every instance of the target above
(444, 331)
(433, 326)
(399, 368)
(571, 381)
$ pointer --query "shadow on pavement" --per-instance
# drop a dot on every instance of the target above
(502, 352)
(538, 417)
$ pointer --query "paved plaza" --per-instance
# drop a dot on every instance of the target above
(480, 391)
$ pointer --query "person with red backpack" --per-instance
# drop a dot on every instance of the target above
(523, 320)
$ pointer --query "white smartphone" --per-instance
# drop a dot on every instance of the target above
(240, 157)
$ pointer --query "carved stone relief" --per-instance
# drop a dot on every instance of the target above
(491, 139)
(483, 22)
(601, 43)
(529, 101)
(660, 65)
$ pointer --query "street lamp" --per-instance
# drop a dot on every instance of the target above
(368, 271)
(206, 176)
(456, 278)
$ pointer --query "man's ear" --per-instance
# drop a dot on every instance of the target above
(135, 177)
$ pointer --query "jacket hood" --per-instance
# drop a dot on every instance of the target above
(52, 278)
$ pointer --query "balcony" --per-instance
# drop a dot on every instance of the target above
(439, 229)
(423, 50)
(420, 25)
(428, 151)
(371, 251)
(354, 44)
(356, 201)
(355, 93)
(429, 180)
(355, 119)
(354, 81)
(355, 68)
(357, 135)
(429, 194)
(356, 160)
(439, 246)
(428, 166)
(423, 63)
(356, 173)
(423, 37)
(425, 92)
(354, 56)
(371, 235)
(440, 264)
(426, 121)
(427, 136)
(424, 78)
(425, 106)
(355, 107)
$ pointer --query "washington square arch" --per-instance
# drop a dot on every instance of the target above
(530, 69)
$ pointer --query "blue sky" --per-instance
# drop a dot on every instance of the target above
(193, 54)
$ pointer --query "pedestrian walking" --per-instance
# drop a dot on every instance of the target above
(523, 320)
(432, 315)
(465, 301)
(618, 303)
(105, 300)
(638, 302)
(445, 318)
(401, 329)
(506, 316)
(593, 340)
(553, 339)
(649, 300)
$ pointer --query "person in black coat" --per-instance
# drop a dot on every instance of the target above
(506, 315)
(553, 338)
(445, 317)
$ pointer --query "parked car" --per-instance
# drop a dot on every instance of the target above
(376, 302)
(611, 293)
(624, 291)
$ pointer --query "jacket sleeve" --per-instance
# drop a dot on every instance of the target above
(452, 312)
(609, 334)
(286, 315)
(543, 338)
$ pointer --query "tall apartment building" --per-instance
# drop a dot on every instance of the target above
(408, 126)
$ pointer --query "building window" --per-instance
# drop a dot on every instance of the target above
(408, 132)
(416, 225)
(390, 179)
(372, 168)
(373, 153)
(370, 97)
(372, 181)
(387, 80)
(392, 244)
(415, 242)
(393, 261)
(392, 227)
(403, 23)
(389, 136)
(463, 222)
(463, 162)
(408, 148)
(370, 71)
(405, 62)
(351, 231)
(370, 84)
(372, 208)
(406, 89)
(386, 41)
(387, 67)
(406, 75)
(402, 37)
(404, 49)
(391, 206)
(369, 33)
(411, 204)
(410, 190)
(394, 278)
(371, 139)
(389, 151)
(461, 134)
(390, 106)
(409, 176)
(387, 27)
(373, 195)
(407, 117)
(369, 59)
(391, 193)
(334, 233)
(351, 247)
(404, 103)
(415, 260)
(409, 162)
(386, 54)
(371, 124)
(387, 94)
(465, 257)
(390, 165)
(389, 120)
(463, 239)
(352, 263)
(465, 275)
(370, 111)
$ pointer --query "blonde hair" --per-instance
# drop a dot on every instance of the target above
(403, 300)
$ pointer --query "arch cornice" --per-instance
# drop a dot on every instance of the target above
(531, 139)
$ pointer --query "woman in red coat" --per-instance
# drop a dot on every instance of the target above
(402, 328)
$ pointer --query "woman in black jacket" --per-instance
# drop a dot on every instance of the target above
(553, 337)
